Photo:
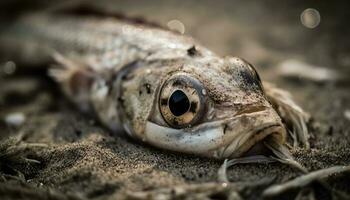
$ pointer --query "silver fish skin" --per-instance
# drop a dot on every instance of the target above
(158, 86)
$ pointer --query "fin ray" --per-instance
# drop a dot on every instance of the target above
(75, 78)
(295, 117)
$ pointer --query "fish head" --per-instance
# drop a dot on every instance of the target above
(211, 107)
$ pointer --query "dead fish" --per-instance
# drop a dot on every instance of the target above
(160, 87)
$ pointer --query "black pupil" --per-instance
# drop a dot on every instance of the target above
(179, 103)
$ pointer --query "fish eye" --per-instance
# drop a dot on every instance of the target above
(181, 101)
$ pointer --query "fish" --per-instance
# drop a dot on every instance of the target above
(157, 86)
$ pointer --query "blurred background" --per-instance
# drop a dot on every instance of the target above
(264, 33)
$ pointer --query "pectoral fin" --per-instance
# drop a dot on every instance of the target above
(75, 78)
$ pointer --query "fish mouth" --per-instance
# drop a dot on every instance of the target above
(250, 142)
(227, 138)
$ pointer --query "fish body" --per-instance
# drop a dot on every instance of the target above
(160, 87)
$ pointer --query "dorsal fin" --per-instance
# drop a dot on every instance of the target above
(85, 9)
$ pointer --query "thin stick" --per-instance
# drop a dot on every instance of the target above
(304, 180)
(222, 176)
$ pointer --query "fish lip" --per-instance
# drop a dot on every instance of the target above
(273, 121)
(266, 130)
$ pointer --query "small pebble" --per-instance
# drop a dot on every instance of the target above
(15, 119)
(204, 92)
(347, 114)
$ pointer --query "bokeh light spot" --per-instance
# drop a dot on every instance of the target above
(9, 67)
(310, 18)
(176, 25)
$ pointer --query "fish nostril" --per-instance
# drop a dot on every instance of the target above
(225, 128)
